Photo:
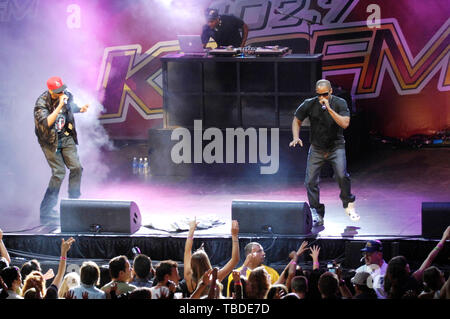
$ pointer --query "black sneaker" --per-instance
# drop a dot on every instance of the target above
(317, 220)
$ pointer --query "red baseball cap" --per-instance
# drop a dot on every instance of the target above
(56, 84)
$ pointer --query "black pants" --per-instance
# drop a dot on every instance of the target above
(316, 159)
(65, 155)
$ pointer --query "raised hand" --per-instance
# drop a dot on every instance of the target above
(85, 295)
(236, 276)
(315, 250)
(69, 295)
(302, 248)
(65, 245)
(251, 259)
(49, 274)
(193, 225)
(234, 228)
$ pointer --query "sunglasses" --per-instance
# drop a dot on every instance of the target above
(323, 94)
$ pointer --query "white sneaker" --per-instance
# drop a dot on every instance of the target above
(350, 211)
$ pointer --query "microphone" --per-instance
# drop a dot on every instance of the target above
(323, 105)
(65, 103)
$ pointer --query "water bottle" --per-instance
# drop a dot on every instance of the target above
(146, 167)
(141, 166)
(135, 166)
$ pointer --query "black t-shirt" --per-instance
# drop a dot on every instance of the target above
(324, 131)
(226, 33)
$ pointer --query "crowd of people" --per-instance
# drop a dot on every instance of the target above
(140, 279)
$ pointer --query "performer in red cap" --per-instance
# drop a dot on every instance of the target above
(56, 133)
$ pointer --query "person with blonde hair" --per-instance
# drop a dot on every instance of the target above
(197, 263)
(72, 279)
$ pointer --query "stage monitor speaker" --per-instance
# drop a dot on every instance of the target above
(272, 217)
(435, 218)
(99, 216)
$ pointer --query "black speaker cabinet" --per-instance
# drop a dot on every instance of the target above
(435, 219)
(95, 216)
(272, 217)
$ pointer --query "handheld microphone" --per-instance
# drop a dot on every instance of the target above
(323, 105)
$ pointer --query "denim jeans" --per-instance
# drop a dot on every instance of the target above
(65, 155)
(316, 159)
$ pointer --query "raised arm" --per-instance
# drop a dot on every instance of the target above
(187, 271)
(315, 250)
(3, 251)
(293, 264)
(294, 258)
(65, 246)
(418, 274)
(205, 281)
(345, 292)
(231, 264)
(342, 121)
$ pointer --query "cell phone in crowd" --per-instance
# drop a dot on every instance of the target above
(331, 268)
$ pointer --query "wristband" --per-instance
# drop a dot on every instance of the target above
(190, 237)
(293, 262)
(238, 283)
(63, 258)
(316, 263)
(439, 246)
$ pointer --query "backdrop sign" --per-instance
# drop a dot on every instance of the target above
(392, 56)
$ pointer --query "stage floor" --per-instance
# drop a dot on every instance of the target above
(390, 186)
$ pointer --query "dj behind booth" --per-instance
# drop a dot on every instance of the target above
(224, 29)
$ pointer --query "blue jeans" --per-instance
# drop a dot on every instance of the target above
(316, 159)
(65, 155)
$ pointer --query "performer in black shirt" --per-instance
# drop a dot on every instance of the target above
(329, 116)
(224, 29)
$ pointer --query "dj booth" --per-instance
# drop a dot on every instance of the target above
(248, 92)
(239, 91)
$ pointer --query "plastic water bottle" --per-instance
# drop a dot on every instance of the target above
(141, 166)
(135, 166)
(146, 167)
